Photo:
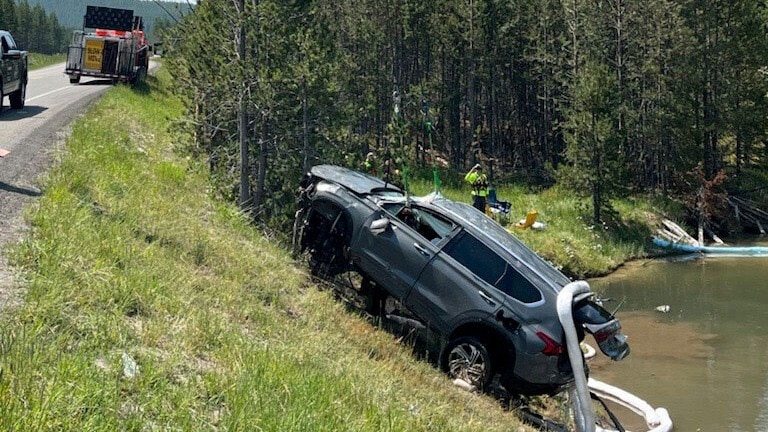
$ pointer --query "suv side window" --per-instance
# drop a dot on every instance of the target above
(429, 225)
(490, 267)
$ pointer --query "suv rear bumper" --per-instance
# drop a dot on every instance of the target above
(555, 373)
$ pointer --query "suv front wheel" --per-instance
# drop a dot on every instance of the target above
(467, 358)
(324, 231)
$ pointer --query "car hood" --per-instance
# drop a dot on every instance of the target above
(357, 182)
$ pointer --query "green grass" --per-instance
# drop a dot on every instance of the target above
(128, 258)
(37, 61)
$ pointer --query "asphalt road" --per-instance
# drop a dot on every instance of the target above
(30, 140)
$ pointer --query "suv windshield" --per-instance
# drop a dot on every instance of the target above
(429, 225)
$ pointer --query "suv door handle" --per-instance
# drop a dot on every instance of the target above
(421, 249)
(486, 297)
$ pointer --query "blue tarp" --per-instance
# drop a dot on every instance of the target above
(721, 250)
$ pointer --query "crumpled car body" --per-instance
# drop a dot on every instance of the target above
(446, 268)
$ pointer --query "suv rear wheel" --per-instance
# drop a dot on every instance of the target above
(467, 358)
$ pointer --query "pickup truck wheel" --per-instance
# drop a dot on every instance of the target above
(467, 358)
(1, 96)
(17, 98)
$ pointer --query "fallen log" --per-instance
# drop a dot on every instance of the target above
(682, 235)
(748, 212)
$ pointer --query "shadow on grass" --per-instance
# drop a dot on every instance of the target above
(142, 88)
(632, 232)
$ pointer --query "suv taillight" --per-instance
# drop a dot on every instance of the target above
(602, 335)
(551, 347)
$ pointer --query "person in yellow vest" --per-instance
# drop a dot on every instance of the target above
(479, 182)
(370, 164)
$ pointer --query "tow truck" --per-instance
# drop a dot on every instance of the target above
(111, 45)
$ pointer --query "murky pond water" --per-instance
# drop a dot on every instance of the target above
(706, 360)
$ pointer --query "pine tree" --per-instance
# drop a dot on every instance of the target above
(24, 25)
(8, 19)
(591, 137)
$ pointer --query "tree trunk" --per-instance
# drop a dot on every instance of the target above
(245, 183)
(262, 175)
(597, 177)
(305, 125)
(471, 88)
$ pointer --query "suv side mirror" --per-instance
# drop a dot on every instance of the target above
(379, 226)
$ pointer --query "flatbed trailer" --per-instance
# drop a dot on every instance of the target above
(111, 45)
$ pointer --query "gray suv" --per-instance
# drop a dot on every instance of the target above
(446, 268)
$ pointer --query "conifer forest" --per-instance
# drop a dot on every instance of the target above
(606, 97)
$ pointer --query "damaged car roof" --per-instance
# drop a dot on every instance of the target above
(355, 181)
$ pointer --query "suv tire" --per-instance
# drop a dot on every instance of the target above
(326, 235)
(467, 358)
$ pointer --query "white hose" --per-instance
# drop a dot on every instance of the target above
(657, 419)
(583, 411)
(584, 414)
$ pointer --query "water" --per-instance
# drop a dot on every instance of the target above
(706, 360)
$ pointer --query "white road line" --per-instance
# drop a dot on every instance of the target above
(46, 94)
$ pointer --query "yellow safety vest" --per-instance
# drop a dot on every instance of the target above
(479, 183)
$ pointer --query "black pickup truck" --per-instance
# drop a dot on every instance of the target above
(13, 72)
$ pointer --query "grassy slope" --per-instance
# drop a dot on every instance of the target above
(129, 260)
